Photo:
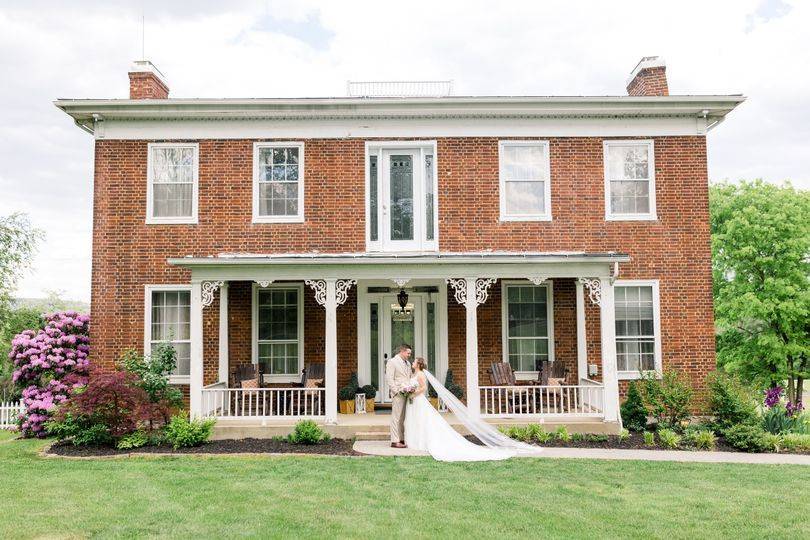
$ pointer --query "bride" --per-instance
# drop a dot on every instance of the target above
(426, 430)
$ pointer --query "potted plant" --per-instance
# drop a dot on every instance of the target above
(451, 385)
(370, 391)
(346, 399)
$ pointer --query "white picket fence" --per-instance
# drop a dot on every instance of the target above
(9, 411)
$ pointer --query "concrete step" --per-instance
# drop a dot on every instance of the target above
(372, 435)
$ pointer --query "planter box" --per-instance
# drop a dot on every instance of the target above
(370, 405)
(435, 402)
(347, 406)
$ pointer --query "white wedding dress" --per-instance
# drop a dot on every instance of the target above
(426, 430)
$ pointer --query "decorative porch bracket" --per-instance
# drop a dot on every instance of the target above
(265, 284)
(594, 286)
(208, 290)
(472, 292)
(330, 293)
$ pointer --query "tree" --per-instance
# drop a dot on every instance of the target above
(761, 270)
(18, 242)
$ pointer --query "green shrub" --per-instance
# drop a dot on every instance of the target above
(369, 390)
(776, 420)
(649, 438)
(346, 393)
(667, 399)
(802, 424)
(634, 414)
(308, 432)
(624, 435)
(796, 442)
(702, 439)
(450, 384)
(578, 437)
(751, 438)
(354, 383)
(136, 439)
(541, 435)
(181, 432)
(668, 438)
(561, 433)
(80, 431)
(519, 433)
(731, 402)
(153, 373)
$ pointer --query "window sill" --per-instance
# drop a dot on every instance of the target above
(635, 375)
(260, 220)
(539, 217)
(179, 379)
(632, 217)
(171, 221)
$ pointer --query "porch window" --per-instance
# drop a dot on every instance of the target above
(525, 183)
(279, 324)
(168, 320)
(527, 312)
(637, 343)
(629, 180)
(278, 182)
(172, 178)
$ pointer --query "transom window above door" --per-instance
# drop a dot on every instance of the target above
(401, 206)
(278, 182)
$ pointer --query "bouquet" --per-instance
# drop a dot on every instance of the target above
(408, 390)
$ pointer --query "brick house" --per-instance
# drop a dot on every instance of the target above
(564, 236)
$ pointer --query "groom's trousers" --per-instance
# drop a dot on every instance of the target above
(398, 418)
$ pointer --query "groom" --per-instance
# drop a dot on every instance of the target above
(398, 376)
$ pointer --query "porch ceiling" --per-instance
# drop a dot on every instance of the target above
(256, 267)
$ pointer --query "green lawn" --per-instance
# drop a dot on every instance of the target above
(193, 496)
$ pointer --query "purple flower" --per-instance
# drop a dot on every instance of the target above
(773, 396)
(794, 408)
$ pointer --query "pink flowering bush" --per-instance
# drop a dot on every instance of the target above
(48, 364)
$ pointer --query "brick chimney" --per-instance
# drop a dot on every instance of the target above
(146, 81)
(649, 78)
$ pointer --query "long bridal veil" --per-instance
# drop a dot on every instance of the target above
(486, 433)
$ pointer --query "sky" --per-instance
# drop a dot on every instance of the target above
(208, 48)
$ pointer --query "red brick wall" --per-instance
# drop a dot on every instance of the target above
(650, 81)
(145, 85)
(127, 253)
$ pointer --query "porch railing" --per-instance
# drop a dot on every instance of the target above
(522, 401)
(221, 402)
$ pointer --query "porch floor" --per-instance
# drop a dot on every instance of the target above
(375, 425)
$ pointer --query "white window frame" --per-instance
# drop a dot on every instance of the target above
(269, 377)
(150, 210)
(549, 285)
(299, 217)
(654, 283)
(545, 215)
(376, 148)
(147, 326)
(652, 214)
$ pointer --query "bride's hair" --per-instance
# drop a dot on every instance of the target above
(421, 363)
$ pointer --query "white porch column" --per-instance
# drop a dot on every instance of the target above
(196, 365)
(471, 292)
(223, 333)
(610, 377)
(582, 342)
(330, 293)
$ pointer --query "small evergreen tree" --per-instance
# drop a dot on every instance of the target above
(634, 414)
(452, 386)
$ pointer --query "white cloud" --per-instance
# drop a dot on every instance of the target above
(292, 48)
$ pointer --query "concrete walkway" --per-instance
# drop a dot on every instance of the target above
(383, 448)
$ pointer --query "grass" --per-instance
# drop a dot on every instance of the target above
(194, 496)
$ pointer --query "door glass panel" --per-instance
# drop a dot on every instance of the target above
(401, 197)
(402, 331)
(431, 337)
(429, 233)
(373, 202)
(374, 344)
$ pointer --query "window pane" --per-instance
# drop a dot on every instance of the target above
(635, 328)
(429, 225)
(373, 199)
(279, 175)
(527, 326)
(524, 198)
(401, 197)
(172, 200)
(278, 330)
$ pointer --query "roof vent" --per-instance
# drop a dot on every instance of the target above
(399, 88)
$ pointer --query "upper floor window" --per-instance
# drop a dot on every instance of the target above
(172, 179)
(525, 181)
(168, 320)
(278, 182)
(401, 206)
(638, 340)
(629, 180)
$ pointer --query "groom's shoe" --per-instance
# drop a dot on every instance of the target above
(398, 445)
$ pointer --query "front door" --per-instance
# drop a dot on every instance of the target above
(398, 327)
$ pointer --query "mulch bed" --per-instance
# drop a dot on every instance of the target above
(335, 447)
(635, 442)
